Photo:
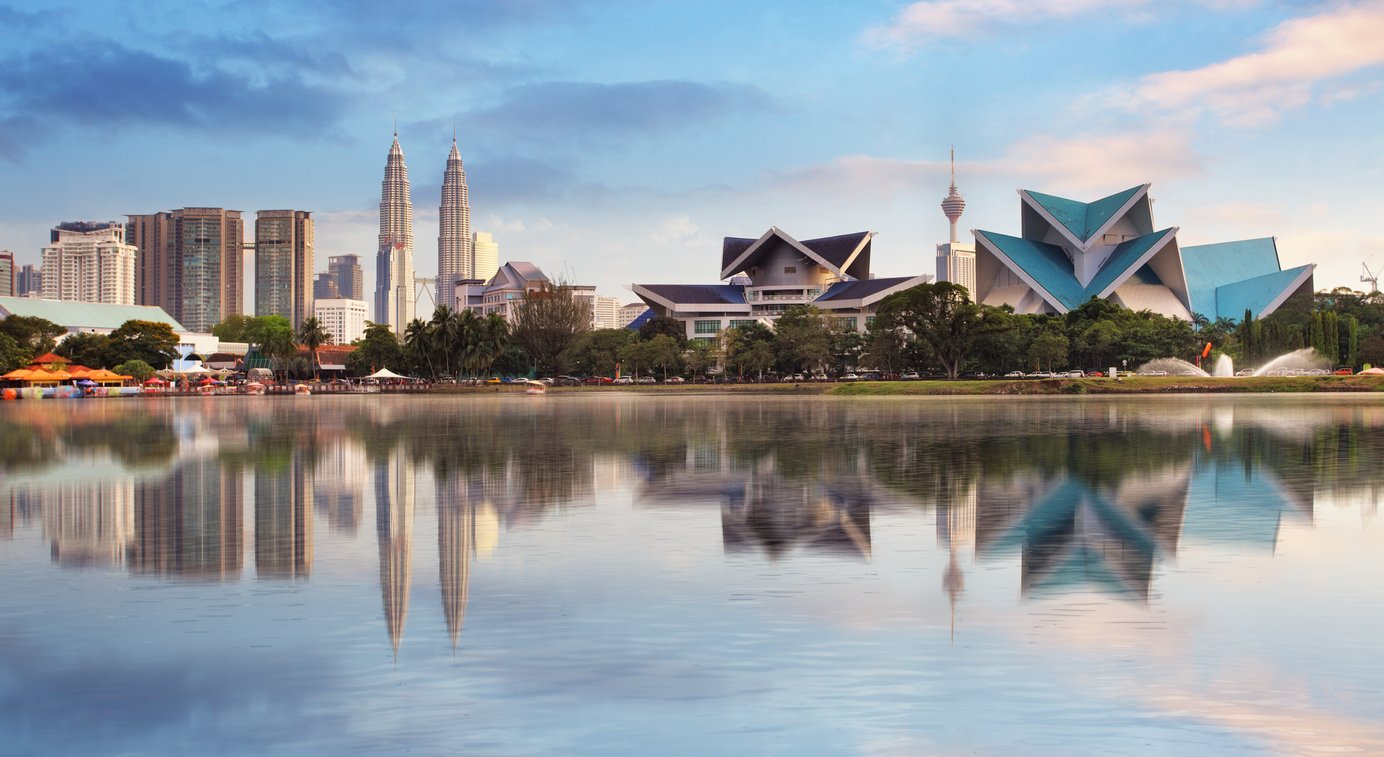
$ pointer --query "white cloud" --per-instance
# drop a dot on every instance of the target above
(1295, 59)
(1097, 164)
(959, 19)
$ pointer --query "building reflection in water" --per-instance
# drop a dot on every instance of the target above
(394, 500)
(339, 486)
(456, 539)
(283, 518)
(189, 525)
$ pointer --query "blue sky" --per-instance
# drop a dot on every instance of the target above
(613, 143)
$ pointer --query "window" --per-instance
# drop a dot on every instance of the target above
(790, 269)
(740, 322)
(706, 327)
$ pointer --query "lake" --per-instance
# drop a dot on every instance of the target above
(626, 574)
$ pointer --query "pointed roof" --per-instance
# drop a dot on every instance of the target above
(836, 253)
(51, 359)
(1084, 220)
(1047, 269)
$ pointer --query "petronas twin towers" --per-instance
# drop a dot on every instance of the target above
(394, 276)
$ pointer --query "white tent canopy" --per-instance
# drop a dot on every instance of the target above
(385, 373)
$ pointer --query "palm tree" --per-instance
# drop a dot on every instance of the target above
(278, 344)
(445, 330)
(312, 335)
(493, 333)
(417, 336)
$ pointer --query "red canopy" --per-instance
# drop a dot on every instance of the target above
(49, 357)
(156, 381)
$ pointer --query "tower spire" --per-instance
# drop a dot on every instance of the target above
(953, 204)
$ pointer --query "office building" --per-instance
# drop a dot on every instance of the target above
(350, 277)
(487, 255)
(394, 257)
(325, 287)
(342, 318)
(7, 273)
(190, 263)
(605, 312)
(89, 262)
(455, 260)
(283, 264)
(29, 281)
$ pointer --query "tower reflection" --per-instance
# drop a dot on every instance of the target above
(394, 501)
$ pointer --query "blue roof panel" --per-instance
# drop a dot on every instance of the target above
(1124, 257)
(1083, 219)
(1100, 211)
(1211, 266)
(1255, 295)
(1045, 263)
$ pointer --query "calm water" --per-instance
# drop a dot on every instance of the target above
(625, 574)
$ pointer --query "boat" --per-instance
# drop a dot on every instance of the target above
(535, 387)
(254, 387)
(301, 390)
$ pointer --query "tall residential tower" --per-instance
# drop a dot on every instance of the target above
(455, 257)
(283, 264)
(394, 261)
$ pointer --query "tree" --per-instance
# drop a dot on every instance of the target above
(745, 346)
(276, 342)
(596, 352)
(940, 315)
(1050, 347)
(491, 344)
(12, 356)
(802, 339)
(377, 348)
(138, 369)
(235, 328)
(701, 355)
(313, 336)
(662, 324)
(883, 348)
(85, 349)
(548, 322)
(33, 335)
(664, 352)
(418, 347)
(151, 341)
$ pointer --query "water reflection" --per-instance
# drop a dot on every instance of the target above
(1085, 497)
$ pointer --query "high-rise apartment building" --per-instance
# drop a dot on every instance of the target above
(283, 264)
(394, 258)
(191, 263)
(89, 262)
(342, 318)
(455, 259)
(350, 277)
(7, 273)
(605, 312)
(29, 281)
(324, 287)
(486, 252)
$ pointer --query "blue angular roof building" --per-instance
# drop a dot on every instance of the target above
(1070, 251)
(767, 275)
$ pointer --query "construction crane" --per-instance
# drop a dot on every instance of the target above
(1371, 278)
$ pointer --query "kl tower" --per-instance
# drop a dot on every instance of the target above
(956, 262)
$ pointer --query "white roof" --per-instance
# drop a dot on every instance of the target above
(385, 373)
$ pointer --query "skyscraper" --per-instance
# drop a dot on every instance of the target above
(29, 280)
(394, 259)
(190, 263)
(325, 287)
(486, 254)
(7, 273)
(455, 259)
(283, 264)
(89, 262)
(956, 262)
(350, 277)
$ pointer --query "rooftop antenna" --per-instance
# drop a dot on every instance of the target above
(396, 125)
(1370, 277)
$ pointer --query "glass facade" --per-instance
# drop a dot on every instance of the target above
(707, 327)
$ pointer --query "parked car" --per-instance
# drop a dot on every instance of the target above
(493, 380)
(1095, 374)
(820, 377)
(623, 380)
(646, 380)
(796, 377)
(676, 380)
(850, 377)
(1014, 374)
(568, 381)
(598, 380)
(909, 376)
(871, 376)
(1344, 372)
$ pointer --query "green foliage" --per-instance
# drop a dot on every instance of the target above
(701, 355)
(85, 349)
(596, 352)
(662, 324)
(748, 348)
(312, 335)
(140, 370)
(802, 339)
(548, 322)
(150, 341)
(1048, 350)
(377, 348)
(940, 315)
(33, 335)
(12, 356)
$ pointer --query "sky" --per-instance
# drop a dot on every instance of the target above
(614, 143)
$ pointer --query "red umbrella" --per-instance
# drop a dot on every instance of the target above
(155, 381)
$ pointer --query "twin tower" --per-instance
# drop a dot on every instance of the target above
(456, 248)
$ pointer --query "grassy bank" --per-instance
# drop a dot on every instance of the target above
(1135, 385)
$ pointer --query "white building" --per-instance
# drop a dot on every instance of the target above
(605, 312)
(630, 312)
(503, 292)
(486, 252)
(89, 262)
(394, 292)
(343, 319)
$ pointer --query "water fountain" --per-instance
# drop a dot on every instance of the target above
(1224, 368)
(1170, 366)
(1293, 363)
